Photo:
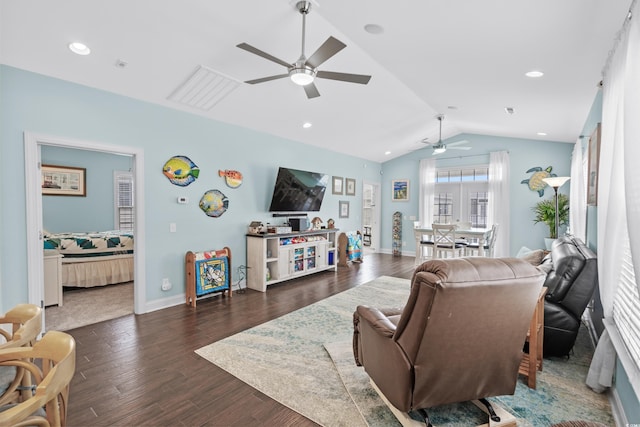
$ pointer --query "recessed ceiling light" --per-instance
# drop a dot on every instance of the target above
(509, 110)
(307, 125)
(542, 134)
(386, 153)
(79, 48)
(534, 74)
(373, 29)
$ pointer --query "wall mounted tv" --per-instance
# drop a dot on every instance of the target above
(298, 191)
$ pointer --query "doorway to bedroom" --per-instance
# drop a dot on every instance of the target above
(100, 276)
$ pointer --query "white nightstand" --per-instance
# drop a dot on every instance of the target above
(52, 278)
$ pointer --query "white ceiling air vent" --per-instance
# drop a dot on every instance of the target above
(204, 88)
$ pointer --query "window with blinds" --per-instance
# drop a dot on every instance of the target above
(123, 200)
(626, 312)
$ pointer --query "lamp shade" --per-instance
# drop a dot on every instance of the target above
(556, 181)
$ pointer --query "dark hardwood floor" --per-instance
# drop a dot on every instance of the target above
(142, 370)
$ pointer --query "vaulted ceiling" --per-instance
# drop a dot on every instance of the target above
(465, 59)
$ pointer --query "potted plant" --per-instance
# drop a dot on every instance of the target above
(545, 211)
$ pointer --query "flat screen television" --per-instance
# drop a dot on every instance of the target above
(298, 191)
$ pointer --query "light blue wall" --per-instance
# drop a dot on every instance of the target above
(83, 214)
(523, 154)
(32, 102)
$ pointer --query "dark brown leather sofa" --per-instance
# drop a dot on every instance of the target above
(458, 338)
(571, 281)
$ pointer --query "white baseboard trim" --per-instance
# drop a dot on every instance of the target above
(167, 302)
(390, 252)
(617, 410)
(172, 301)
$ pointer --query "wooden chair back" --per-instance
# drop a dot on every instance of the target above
(19, 327)
(25, 323)
(51, 363)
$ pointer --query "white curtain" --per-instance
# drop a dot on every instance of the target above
(499, 200)
(578, 195)
(427, 191)
(631, 139)
(616, 171)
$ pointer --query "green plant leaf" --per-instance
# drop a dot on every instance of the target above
(545, 212)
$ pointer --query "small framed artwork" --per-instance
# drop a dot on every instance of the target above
(344, 209)
(594, 159)
(400, 190)
(63, 181)
(350, 186)
(336, 187)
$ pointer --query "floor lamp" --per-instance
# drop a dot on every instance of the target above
(555, 183)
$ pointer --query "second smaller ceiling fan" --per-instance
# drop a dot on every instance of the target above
(440, 147)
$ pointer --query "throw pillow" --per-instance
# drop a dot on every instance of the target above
(533, 257)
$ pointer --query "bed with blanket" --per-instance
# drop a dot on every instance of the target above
(93, 259)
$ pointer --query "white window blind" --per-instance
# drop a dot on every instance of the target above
(626, 306)
(123, 198)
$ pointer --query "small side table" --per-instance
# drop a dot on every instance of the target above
(52, 278)
(532, 361)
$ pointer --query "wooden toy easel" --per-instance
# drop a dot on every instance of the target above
(199, 286)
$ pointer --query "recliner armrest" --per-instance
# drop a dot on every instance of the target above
(377, 319)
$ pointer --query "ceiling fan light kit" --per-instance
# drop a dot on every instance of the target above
(440, 147)
(302, 75)
(304, 71)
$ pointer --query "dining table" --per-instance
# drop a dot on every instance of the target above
(480, 233)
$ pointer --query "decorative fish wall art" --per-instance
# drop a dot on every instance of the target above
(213, 203)
(231, 177)
(180, 170)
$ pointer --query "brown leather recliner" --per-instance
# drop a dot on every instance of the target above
(458, 338)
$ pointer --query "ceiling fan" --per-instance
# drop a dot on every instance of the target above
(439, 147)
(305, 70)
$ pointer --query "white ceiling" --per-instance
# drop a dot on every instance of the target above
(433, 55)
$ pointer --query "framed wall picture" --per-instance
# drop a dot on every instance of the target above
(400, 190)
(350, 186)
(594, 160)
(63, 181)
(344, 209)
(336, 187)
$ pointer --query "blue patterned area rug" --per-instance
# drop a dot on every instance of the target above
(304, 361)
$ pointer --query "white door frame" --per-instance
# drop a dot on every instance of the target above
(33, 194)
(377, 212)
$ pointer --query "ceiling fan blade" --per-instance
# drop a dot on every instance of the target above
(266, 79)
(329, 48)
(311, 90)
(453, 144)
(449, 147)
(265, 55)
(345, 77)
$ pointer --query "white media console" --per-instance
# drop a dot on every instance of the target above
(274, 258)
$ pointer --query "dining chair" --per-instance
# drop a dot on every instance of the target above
(444, 241)
(19, 327)
(423, 246)
(463, 225)
(51, 364)
(473, 249)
